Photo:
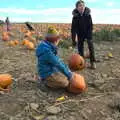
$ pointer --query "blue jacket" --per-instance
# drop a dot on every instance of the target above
(48, 62)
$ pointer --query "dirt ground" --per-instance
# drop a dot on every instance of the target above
(27, 101)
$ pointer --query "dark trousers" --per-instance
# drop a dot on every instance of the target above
(90, 47)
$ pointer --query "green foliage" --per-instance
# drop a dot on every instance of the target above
(65, 43)
(107, 34)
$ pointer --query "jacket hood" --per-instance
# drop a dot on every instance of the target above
(87, 12)
(45, 46)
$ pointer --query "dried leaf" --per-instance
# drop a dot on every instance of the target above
(110, 55)
(60, 99)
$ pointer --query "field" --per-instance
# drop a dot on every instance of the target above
(26, 100)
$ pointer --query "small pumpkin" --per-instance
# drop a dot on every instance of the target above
(23, 29)
(77, 85)
(5, 33)
(33, 32)
(30, 46)
(10, 34)
(16, 42)
(25, 42)
(32, 39)
(76, 62)
(5, 36)
(28, 34)
(5, 80)
(11, 43)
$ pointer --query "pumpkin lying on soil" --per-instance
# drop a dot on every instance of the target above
(5, 81)
(16, 42)
(76, 62)
(5, 36)
(25, 42)
(30, 46)
(11, 43)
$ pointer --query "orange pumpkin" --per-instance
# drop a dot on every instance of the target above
(5, 80)
(77, 85)
(25, 42)
(12, 43)
(10, 34)
(16, 42)
(28, 34)
(33, 32)
(30, 46)
(76, 62)
(5, 33)
(23, 29)
(5, 36)
(32, 39)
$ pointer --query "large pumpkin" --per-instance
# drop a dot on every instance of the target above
(5, 80)
(77, 85)
(76, 62)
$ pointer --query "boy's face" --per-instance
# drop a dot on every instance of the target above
(81, 7)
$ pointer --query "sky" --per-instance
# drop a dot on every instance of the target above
(58, 11)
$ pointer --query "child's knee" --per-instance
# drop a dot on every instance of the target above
(57, 80)
(64, 83)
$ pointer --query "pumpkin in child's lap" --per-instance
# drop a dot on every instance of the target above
(77, 85)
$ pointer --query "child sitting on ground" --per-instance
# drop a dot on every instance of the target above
(51, 69)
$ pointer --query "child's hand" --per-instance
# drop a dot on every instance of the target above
(72, 77)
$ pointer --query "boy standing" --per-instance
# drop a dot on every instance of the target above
(82, 26)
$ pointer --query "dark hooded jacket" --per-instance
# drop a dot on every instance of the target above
(82, 24)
